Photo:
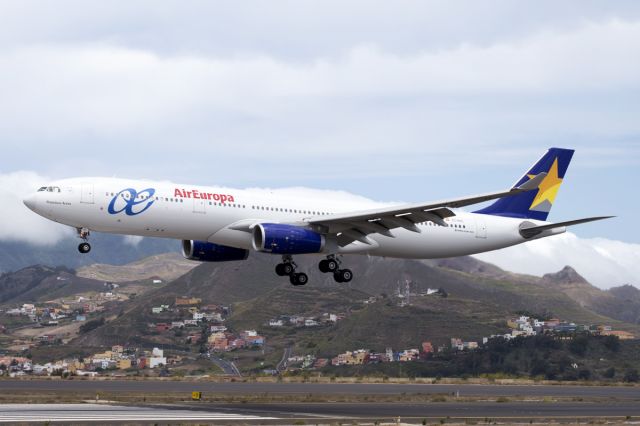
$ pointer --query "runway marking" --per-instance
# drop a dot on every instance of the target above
(10, 413)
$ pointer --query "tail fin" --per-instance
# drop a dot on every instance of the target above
(535, 204)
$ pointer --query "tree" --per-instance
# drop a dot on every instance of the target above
(631, 376)
(91, 325)
(612, 343)
(584, 374)
(610, 373)
(579, 345)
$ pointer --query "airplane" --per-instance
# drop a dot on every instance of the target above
(219, 224)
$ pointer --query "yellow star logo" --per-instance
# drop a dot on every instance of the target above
(548, 188)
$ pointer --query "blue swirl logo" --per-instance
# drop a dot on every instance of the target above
(131, 201)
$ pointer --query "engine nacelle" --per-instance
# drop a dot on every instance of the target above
(278, 238)
(210, 252)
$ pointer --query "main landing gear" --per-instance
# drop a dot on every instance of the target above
(288, 267)
(84, 246)
(332, 264)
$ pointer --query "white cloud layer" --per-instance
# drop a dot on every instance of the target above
(604, 263)
(17, 222)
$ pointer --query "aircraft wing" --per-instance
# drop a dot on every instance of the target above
(356, 226)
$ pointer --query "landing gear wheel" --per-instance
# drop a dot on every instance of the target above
(84, 248)
(280, 269)
(343, 275)
(332, 265)
(346, 275)
(287, 268)
(328, 265)
(299, 279)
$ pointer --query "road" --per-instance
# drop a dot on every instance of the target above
(228, 367)
(282, 365)
(619, 392)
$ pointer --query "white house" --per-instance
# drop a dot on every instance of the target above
(157, 361)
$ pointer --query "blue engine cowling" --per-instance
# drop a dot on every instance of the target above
(209, 252)
(278, 238)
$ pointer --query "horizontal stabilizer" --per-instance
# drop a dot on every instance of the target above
(532, 231)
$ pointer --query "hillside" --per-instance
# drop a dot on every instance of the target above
(106, 248)
(481, 297)
(621, 303)
(42, 283)
(166, 267)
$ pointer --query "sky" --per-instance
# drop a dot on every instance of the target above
(398, 101)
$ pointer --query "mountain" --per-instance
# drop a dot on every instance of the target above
(620, 303)
(106, 248)
(41, 283)
(166, 267)
(481, 297)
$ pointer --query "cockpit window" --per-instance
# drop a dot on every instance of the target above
(49, 189)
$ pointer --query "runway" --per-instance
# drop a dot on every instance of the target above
(155, 386)
(100, 413)
(279, 414)
(523, 410)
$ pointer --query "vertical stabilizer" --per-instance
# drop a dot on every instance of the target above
(535, 204)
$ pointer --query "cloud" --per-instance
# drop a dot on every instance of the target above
(132, 240)
(604, 263)
(18, 222)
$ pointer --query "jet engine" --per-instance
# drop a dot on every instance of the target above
(279, 238)
(210, 252)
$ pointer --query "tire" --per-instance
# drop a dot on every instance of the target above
(293, 279)
(346, 275)
(287, 268)
(84, 248)
(337, 277)
(280, 270)
(332, 265)
(324, 268)
(302, 278)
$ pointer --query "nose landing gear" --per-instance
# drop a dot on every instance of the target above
(332, 264)
(84, 247)
(288, 267)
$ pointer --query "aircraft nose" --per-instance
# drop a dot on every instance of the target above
(30, 201)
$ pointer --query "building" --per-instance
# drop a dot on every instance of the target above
(157, 361)
(408, 355)
(162, 326)
(622, 335)
(123, 363)
(427, 348)
(276, 323)
(187, 301)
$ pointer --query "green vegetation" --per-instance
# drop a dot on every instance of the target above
(577, 357)
(92, 325)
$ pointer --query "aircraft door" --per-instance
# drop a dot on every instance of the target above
(481, 228)
(199, 206)
(87, 193)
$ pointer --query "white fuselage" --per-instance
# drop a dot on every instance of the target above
(214, 214)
